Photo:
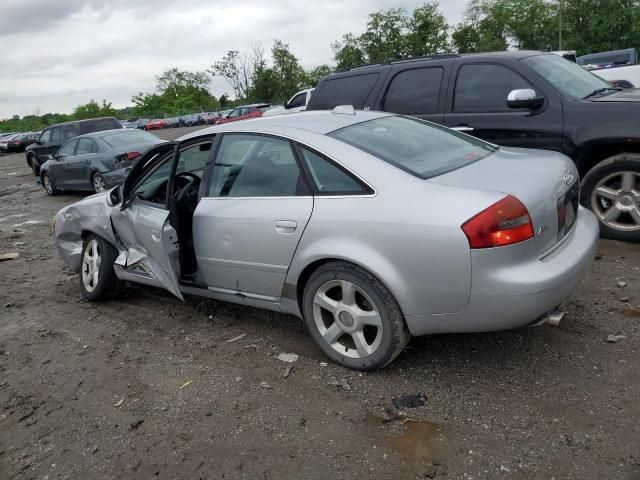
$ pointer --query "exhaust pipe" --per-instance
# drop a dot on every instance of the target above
(553, 319)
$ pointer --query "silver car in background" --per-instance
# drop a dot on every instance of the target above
(369, 226)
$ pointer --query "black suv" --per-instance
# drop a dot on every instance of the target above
(517, 99)
(53, 137)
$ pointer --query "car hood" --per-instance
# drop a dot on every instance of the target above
(538, 178)
(626, 95)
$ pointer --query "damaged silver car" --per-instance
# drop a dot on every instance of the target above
(371, 227)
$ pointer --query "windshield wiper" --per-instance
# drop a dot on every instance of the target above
(598, 91)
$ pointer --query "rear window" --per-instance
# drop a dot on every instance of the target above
(99, 125)
(420, 148)
(352, 90)
(414, 91)
(128, 138)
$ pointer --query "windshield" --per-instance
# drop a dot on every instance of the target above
(130, 137)
(418, 147)
(571, 79)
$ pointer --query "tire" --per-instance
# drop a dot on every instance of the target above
(98, 255)
(98, 183)
(49, 185)
(611, 190)
(33, 163)
(337, 325)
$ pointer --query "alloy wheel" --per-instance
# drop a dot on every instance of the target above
(48, 184)
(616, 201)
(347, 319)
(98, 184)
(91, 265)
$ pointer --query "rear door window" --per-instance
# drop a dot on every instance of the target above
(86, 146)
(70, 131)
(56, 134)
(352, 90)
(484, 87)
(99, 125)
(414, 91)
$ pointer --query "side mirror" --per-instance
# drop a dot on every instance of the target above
(114, 197)
(286, 105)
(59, 157)
(524, 98)
(51, 157)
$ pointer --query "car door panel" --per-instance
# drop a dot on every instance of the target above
(247, 244)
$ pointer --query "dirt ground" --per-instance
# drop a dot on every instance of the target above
(150, 387)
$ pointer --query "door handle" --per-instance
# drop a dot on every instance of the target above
(463, 128)
(285, 226)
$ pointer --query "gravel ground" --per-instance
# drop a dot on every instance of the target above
(150, 387)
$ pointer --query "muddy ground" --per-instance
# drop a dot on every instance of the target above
(150, 387)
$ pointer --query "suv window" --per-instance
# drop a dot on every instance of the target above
(56, 134)
(45, 137)
(414, 91)
(298, 101)
(70, 131)
(255, 166)
(329, 178)
(67, 149)
(86, 146)
(484, 87)
(352, 90)
(98, 125)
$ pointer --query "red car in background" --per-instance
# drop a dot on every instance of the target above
(156, 124)
(244, 112)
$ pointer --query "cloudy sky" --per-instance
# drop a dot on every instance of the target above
(56, 54)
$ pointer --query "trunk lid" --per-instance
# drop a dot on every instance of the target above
(547, 183)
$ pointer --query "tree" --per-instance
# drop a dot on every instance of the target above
(348, 53)
(428, 31)
(288, 73)
(314, 75)
(385, 37)
(236, 69)
(92, 110)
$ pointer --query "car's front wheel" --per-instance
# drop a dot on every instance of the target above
(49, 186)
(353, 317)
(611, 189)
(33, 163)
(99, 184)
(98, 280)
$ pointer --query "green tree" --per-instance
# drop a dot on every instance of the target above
(93, 110)
(428, 31)
(348, 52)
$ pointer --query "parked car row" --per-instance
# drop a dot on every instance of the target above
(16, 142)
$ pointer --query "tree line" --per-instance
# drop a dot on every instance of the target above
(586, 26)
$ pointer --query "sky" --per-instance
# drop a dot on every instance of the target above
(56, 54)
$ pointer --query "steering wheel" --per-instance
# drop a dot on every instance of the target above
(190, 189)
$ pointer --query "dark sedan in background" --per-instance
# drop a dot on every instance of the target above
(21, 141)
(96, 161)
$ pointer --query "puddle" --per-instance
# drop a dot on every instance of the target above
(416, 441)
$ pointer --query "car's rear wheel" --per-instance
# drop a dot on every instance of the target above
(353, 317)
(98, 280)
(99, 185)
(611, 190)
(49, 186)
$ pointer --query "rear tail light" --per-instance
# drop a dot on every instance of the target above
(128, 156)
(504, 223)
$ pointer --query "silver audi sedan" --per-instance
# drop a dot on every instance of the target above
(369, 226)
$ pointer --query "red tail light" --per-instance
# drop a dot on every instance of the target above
(132, 155)
(504, 223)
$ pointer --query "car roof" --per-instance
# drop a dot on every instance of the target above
(317, 121)
(101, 133)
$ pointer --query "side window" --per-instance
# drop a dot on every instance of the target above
(67, 149)
(352, 90)
(235, 113)
(414, 91)
(45, 137)
(56, 134)
(86, 146)
(70, 131)
(148, 189)
(255, 166)
(329, 178)
(484, 87)
(194, 158)
(298, 101)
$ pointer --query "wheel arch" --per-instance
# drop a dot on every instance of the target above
(593, 152)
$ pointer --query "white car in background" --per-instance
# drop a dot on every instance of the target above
(295, 104)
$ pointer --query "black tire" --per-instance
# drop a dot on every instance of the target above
(395, 334)
(623, 162)
(108, 285)
(33, 163)
(49, 185)
(98, 179)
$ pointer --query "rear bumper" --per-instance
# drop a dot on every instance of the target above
(115, 177)
(512, 293)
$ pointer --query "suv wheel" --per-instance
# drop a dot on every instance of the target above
(49, 186)
(33, 163)
(611, 190)
(353, 317)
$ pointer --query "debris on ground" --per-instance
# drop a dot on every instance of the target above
(186, 384)
(119, 402)
(615, 338)
(288, 357)
(9, 256)
(409, 401)
(136, 424)
(235, 339)
(625, 299)
(290, 369)
(342, 383)
(323, 364)
(265, 385)
(622, 283)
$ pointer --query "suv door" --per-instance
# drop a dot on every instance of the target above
(477, 105)
(254, 211)
(416, 91)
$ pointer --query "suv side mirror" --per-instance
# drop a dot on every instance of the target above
(114, 197)
(524, 98)
(286, 105)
